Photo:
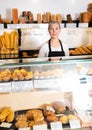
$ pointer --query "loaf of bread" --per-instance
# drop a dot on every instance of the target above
(69, 18)
(39, 19)
(15, 15)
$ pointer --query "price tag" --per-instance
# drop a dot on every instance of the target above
(71, 25)
(56, 125)
(40, 127)
(74, 124)
(27, 128)
(45, 83)
(17, 26)
(50, 108)
(1, 26)
(5, 87)
(22, 86)
(62, 25)
(6, 125)
(83, 25)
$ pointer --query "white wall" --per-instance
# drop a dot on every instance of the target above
(74, 7)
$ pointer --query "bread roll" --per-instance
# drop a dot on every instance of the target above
(64, 119)
(59, 106)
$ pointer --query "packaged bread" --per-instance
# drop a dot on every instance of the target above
(15, 15)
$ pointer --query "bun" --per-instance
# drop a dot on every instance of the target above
(60, 107)
(52, 118)
(64, 119)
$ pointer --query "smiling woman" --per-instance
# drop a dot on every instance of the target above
(54, 46)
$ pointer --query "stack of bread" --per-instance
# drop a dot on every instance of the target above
(6, 114)
(48, 16)
(22, 74)
(82, 50)
(17, 74)
(9, 44)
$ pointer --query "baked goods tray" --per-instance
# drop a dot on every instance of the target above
(27, 116)
(23, 112)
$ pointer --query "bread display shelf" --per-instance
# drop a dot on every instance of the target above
(63, 24)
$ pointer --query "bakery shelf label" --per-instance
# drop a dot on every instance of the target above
(5, 125)
(5, 87)
(71, 25)
(10, 26)
(74, 124)
(83, 25)
(27, 128)
(40, 127)
(1, 26)
(22, 86)
(56, 125)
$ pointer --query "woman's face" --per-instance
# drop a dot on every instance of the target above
(54, 30)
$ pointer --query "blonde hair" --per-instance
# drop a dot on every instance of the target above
(53, 22)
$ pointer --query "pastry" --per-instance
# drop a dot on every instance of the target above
(10, 117)
(52, 118)
(4, 113)
(48, 113)
(21, 117)
(89, 72)
(72, 117)
(36, 74)
(29, 75)
(86, 49)
(64, 119)
(21, 124)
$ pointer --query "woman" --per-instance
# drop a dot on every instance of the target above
(54, 47)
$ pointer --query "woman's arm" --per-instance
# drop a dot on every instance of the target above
(43, 51)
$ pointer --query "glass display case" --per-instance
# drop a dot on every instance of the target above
(43, 81)
(36, 73)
